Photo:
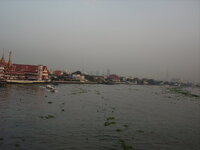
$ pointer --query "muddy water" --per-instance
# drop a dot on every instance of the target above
(98, 117)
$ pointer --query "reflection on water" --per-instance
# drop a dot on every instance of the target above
(98, 117)
(10, 90)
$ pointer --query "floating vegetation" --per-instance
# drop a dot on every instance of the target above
(183, 92)
(126, 126)
(136, 89)
(140, 131)
(109, 123)
(47, 117)
(80, 91)
(17, 145)
(119, 130)
(113, 108)
(97, 92)
(125, 146)
(110, 118)
(63, 110)
(73, 93)
(50, 102)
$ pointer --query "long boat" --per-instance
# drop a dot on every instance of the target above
(26, 81)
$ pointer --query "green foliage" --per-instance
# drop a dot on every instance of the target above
(119, 130)
(17, 145)
(110, 118)
(109, 123)
(140, 131)
(126, 126)
(183, 92)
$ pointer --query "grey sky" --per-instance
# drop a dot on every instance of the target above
(130, 37)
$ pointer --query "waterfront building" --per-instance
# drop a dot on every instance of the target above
(2, 66)
(78, 76)
(58, 72)
(114, 78)
(10, 71)
(95, 78)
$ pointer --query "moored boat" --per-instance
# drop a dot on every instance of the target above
(25, 81)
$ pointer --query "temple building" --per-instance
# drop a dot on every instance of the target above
(2, 66)
(10, 71)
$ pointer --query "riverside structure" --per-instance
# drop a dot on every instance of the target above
(22, 73)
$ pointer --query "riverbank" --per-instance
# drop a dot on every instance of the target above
(56, 82)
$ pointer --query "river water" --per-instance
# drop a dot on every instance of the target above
(98, 117)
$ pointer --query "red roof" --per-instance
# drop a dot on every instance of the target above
(25, 68)
(58, 72)
(114, 77)
(17, 68)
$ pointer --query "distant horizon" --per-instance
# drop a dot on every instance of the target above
(100, 73)
(147, 39)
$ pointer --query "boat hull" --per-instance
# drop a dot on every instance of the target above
(25, 82)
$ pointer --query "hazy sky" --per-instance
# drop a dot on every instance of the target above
(144, 38)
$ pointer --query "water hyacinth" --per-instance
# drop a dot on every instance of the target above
(183, 92)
